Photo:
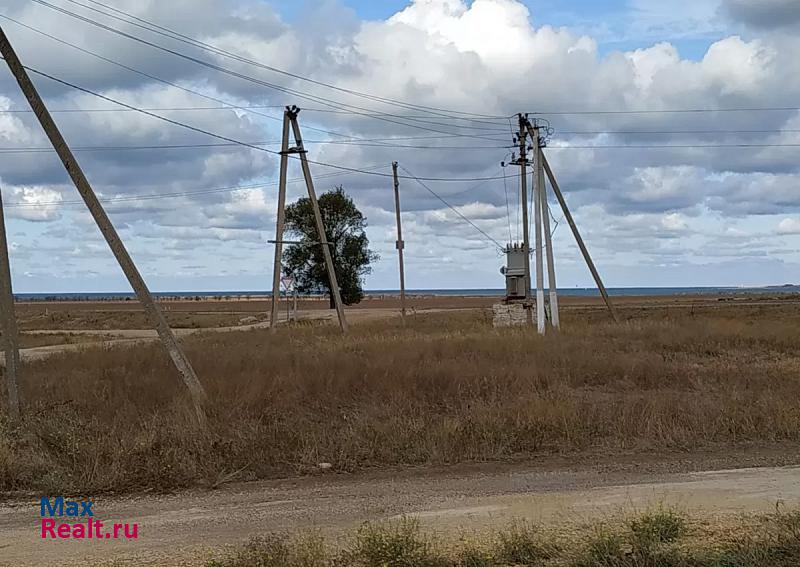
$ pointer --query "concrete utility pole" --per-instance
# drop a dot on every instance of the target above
(400, 243)
(281, 218)
(323, 239)
(578, 239)
(9, 318)
(106, 228)
(537, 222)
(526, 242)
(548, 240)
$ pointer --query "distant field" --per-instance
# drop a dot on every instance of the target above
(183, 314)
(447, 388)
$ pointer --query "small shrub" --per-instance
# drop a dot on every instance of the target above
(521, 544)
(657, 527)
(392, 544)
(277, 551)
(605, 549)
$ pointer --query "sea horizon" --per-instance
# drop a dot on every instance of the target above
(480, 292)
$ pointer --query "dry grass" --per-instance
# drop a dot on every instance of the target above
(88, 319)
(671, 541)
(28, 340)
(445, 389)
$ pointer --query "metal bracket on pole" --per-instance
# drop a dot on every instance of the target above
(292, 113)
(106, 228)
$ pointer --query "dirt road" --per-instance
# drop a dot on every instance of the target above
(182, 529)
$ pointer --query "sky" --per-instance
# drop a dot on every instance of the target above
(674, 134)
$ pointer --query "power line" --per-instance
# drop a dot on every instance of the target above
(452, 208)
(328, 102)
(45, 149)
(360, 111)
(667, 132)
(227, 104)
(668, 111)
(156, 196)
(664, 146)
(508, 207)
(167, 32)
(233, 140)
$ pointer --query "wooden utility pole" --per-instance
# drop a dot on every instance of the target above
(578, 239)
(526, 242)
(548, 240)
(9, 320)
(281, 218)
(323, 239)
(400, 243)
(106, 227)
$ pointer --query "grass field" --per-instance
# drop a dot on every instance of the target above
(656, 538)
(446, 388)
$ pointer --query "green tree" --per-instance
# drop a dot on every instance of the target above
(345, 231)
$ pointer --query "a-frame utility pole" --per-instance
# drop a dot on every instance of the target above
(400, 243)
(292, 113)
(106, 227)
(9, 320)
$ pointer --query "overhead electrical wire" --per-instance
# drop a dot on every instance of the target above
(233, 140)
(167, 32)
(666, 111)
(452, 208)
(48, 149)
(667, 146)
(508, 206)
(179, 194)
(353, 109)
(446, 113)
(231, 106)
(383, 116)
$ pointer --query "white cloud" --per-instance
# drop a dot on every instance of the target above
(37, 204)
(789, 226)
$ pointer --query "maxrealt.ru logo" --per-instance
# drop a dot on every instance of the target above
(74, 519)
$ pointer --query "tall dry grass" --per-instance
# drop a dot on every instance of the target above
(444, 389)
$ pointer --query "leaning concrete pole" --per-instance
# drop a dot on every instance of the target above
(281, 219)
(578, 239)
(106, 228)
(323, 239)
(9, 320)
